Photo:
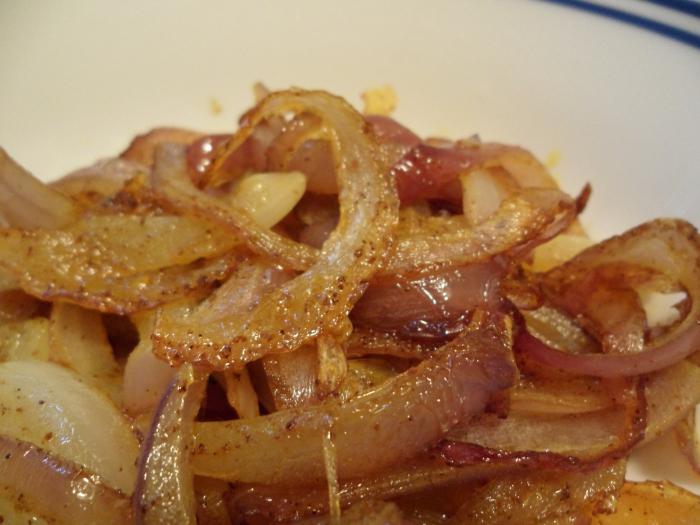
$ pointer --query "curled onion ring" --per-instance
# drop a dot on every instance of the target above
(670, 247)
(321, 298)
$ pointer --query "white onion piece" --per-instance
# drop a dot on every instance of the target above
(165, 485)
(47, 405)
(57, 491)
(78, 340)
(268, 197)
(24, 340)
(145, 376)
(482, 195)
(404, 415)
(26, 202)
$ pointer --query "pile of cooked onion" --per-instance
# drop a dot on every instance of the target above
(325, 318)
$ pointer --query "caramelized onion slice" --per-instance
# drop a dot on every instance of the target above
(404, 415)
(117, 263)
(57, 490)
(26, 202)
(523, 221)
(319, 299)
(165, 485)
(669, 247)
(49, 406)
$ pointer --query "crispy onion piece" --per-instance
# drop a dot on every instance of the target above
(165, 485)
(403, 414)
(26, 202)
(670, 247)
(57, 490)
(49, 406)
(319, 299)
(523, 221)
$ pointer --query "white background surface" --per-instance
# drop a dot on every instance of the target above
(621, 105)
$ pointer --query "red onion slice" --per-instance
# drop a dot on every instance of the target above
(58, 490)
(165, 487)
(668, 247)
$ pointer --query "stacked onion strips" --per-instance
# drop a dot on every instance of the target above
(325, 318)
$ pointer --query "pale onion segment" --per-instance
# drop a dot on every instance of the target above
(145, 376)
(482, 195)
(174, 190)
(671, 394)
(50, 407)
(688, 437)
(404, 414)
(44, 488)
(523, 221)
(26, 202)
(320, 299)
(22, 340)
(165, 484)
(78, 340)
(240, 392)
(268, 197)
(557, 251)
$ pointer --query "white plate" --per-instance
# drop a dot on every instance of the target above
(620, 104)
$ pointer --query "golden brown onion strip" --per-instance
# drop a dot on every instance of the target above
(319, 299)
(523, 221)
(404, 415)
